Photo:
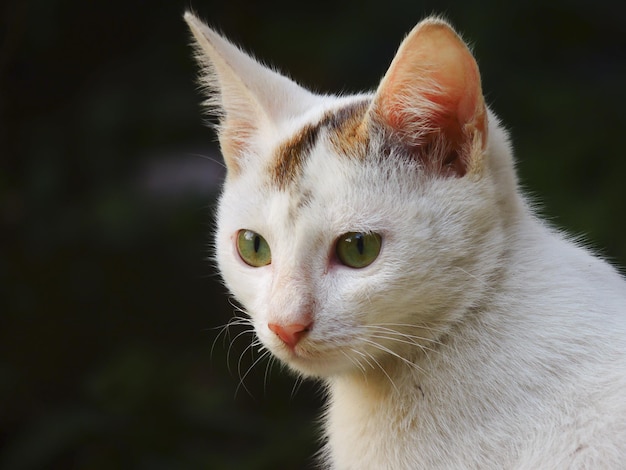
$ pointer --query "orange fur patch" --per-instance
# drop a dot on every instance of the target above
(291, 155)
(346, 129)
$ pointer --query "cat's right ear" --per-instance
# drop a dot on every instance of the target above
(431, 100)
(250, 99)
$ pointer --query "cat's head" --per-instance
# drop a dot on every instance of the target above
(356, 230)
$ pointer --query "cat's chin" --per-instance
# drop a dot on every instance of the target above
(314, 364)
(318, 368)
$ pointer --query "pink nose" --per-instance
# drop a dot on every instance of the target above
(290, 334)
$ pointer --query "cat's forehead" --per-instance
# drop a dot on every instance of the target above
(343, 130)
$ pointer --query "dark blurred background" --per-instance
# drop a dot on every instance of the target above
(109, 306)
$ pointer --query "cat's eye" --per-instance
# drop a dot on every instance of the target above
(358, 249)
(253, 249)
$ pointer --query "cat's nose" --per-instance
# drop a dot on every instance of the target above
(290, 334)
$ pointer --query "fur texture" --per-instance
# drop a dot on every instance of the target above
(479, 337)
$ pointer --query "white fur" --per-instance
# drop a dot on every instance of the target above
(479, 338)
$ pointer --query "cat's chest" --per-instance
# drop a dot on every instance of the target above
(381, 427)
(410, 433)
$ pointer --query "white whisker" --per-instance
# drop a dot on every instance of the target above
(296, 386)
(410, 342)
(403, 334)
(480, 281)
(242, 378)
(230, 347)
(225, 330)
(355, 361)
(394, 354)
(207, 157)
(383, 370)
(410, 326)
(268, 370)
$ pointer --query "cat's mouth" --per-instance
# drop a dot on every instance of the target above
(323, 354)
(311, 358)
(304, 351)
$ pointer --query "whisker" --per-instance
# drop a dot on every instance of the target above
(413, 338)
(232, 342)
(403, 341)
(383, 370)
(365, 358)
(225, 332)
(394, 354)
(268, 370)
(356, 362)
(480, 281)
(408, 326)
(207, 157)
(241, 356)
(296, 386)
(242, 378)
(395, 332)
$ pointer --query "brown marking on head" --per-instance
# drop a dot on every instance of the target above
(291, 155)
(349, 129)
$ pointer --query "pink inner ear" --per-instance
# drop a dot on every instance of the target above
(433, 89)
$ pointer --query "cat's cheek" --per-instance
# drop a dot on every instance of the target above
(246, 283)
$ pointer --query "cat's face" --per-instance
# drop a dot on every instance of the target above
(353, 232)
(435, 236)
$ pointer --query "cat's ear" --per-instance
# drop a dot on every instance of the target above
(431, 99)
(249, 98)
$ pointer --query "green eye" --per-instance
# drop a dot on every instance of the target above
(253, 248)
(357, 249)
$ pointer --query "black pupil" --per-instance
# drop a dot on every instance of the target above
(257, 243)
(360, 243)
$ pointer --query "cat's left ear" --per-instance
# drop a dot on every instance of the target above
(431, 100)
(250, 99)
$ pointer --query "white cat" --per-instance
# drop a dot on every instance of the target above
(380, 242)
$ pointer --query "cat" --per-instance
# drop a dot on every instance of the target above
(379, 242)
